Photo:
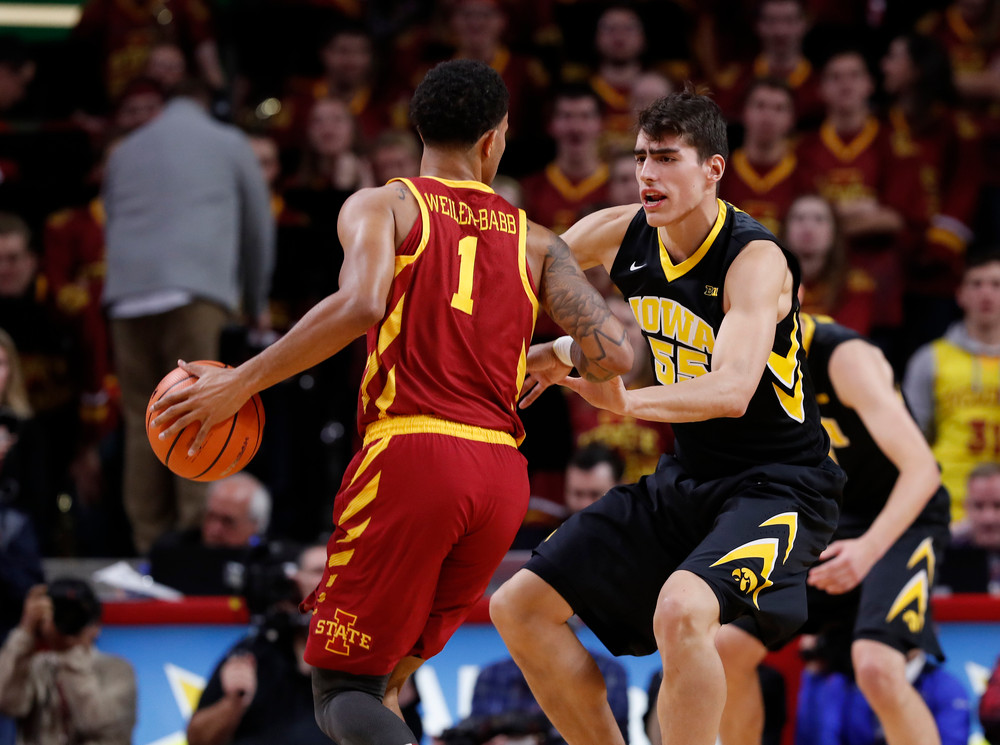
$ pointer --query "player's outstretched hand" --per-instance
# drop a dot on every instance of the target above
(610, 395)
(846, 563)
(214, 397)
(544, 369)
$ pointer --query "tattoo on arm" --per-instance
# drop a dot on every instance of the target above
(574, 303)
(402, 191)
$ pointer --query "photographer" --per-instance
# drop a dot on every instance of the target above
(262, 692)
(58, 686)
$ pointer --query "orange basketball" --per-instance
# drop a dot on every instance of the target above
(230, 444)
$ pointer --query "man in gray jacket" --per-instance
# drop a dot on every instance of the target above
(190, 243)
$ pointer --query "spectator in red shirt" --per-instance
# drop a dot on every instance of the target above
(925, 125)
(578, 177)
(763, 176)
(876, 193)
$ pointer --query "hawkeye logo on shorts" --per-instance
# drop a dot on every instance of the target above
(765, 549)
(681, 342)
(342, 634)
(916, 590)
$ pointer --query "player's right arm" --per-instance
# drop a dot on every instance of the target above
(368, 233)
(600, 341)
(601, 349)
(863, 381)
(596, 238)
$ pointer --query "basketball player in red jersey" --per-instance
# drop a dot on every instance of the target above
(445, 277)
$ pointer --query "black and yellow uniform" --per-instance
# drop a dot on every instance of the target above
(892, 604)
(747, 503)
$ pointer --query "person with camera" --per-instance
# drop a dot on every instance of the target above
(55, 682)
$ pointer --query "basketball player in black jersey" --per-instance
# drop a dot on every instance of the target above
(879, 569)
(730, 525)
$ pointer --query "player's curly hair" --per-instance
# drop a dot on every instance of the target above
(690, 115)
(458, 101)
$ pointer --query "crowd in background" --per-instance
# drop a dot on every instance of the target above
(171, 172)
(865, 134)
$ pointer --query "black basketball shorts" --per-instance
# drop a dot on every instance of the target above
(751, 537)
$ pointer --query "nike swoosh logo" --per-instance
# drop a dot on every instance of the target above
(636, 267)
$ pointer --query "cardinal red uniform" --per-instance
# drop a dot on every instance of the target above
(556, 202)
(431, 503)
(764, 193)
(861, 167)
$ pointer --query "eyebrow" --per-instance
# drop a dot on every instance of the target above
(656, 151)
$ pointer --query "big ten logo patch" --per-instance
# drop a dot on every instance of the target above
(343, 637)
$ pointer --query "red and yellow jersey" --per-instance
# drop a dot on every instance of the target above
(731, 83)
(73, 260)
(556, 202)
(970, 49)
(460, 314)
(948, 148)
(966, 418)
(863, 166)
(763, 192)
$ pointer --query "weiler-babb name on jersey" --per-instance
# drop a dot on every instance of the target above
(681, 341)
(463, 214)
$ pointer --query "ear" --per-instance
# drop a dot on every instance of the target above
(714, 168)
(486, 144)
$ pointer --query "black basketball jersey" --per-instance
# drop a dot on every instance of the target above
(679, 309)
(870, 474)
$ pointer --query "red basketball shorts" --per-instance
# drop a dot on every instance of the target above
(422, 520)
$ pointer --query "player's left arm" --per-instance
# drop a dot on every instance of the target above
(757, 294)
(863, 381)
(368, 233)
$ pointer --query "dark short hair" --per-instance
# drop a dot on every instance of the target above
(984, 471)
(771, 84)
(457, 102)
(982, 256)
(11, 224)
(347, 28)
(591, 456)
(74, 605)
(694, 117)
(139, 86)
(575, 90)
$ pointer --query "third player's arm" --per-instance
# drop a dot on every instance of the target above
(602, 349)
(863, 380)
(758, 294)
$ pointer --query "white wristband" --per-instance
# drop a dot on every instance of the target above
(561, 348)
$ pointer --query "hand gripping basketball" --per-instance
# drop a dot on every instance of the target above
(229, 445)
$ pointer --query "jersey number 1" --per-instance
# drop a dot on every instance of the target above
(467, 256)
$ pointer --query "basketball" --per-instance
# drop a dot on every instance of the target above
(230, 444)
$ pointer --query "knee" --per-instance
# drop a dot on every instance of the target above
(525, 601)
(343, 702)
(879, 670)
(506, 610)
(687, 610)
